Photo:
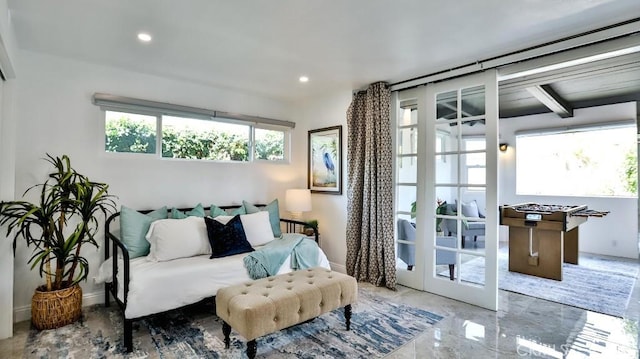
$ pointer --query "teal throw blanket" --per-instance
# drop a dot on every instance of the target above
(267, 260)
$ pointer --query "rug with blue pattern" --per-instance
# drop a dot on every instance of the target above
(378, 327)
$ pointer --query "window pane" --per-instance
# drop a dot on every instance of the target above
(447, 169)
(408, 117)
(269, 144)
(476, 175)
(408, 169)
(127, 132)
(599, 162)
(406, 198)
(408, 141)
(203, 139)
(447, 105)
(473, 101)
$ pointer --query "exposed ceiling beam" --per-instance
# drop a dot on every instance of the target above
(546, 95)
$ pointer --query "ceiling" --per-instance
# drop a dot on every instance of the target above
(263, 47)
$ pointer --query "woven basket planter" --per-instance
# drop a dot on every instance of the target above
(50, 310)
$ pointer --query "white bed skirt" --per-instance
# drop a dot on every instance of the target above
(156, 287)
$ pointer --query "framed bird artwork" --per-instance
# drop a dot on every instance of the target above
(325, 160)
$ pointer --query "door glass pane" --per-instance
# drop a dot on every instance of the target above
(472, 269)
(447, 105)
(473, 168)
(447, 169)
(407, 117)
(472, 219)
(473, 101)
(407, 169)
(446, 137)
(408, 140)
(406, 249)
(406, 197)
(445, 258)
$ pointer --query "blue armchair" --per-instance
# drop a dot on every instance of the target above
(407, 252)
(469, 228)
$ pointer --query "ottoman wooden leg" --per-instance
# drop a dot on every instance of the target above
(226, 330)
(347, 315)
(252, 348)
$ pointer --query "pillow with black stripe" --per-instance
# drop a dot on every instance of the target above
(227, 239)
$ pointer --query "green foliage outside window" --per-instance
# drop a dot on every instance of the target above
(631, 171)
(269, 145)
(208, 145)
(128, 135)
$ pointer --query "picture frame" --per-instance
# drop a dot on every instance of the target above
(325, 160)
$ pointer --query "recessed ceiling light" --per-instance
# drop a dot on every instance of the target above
(303, 79)
(144, 37)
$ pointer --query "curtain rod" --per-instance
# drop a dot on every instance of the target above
(625, 28)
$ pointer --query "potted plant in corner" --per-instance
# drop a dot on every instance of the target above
(57, 226)
(441, 209)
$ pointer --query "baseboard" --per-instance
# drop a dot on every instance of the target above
(23, 313)
(338, 267)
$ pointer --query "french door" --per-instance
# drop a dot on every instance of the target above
(446, 188)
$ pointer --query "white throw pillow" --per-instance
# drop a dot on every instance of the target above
(177, 238)
(257, 227)
(470, 209)
(223, 219)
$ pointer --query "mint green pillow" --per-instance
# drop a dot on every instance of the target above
(134, 227)
(215, 211)
(238, 211)
(197, 211)
(274, 214)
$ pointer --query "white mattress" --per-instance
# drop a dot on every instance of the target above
(156, 287)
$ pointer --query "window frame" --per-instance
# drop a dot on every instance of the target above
(473, 187)
(286, 148)
(251, 126)
(570, 130)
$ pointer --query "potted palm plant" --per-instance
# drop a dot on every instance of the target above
(57, 226)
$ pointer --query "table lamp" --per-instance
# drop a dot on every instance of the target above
(298, 201)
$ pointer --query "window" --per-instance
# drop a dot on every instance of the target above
(204, 139)
(193, 138)
(269, 144)
(585, 162)
(174, 131)
(128, 132)
(475, 161)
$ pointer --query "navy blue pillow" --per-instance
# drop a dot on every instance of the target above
(227, 239)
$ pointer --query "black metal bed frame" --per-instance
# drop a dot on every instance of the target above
(291, 226)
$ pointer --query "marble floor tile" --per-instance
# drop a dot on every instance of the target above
(523, 327)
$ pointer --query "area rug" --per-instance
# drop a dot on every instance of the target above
(597, 284)
(378, 327)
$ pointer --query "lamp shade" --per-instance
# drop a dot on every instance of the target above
(298, 200)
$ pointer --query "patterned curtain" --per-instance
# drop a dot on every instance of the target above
(370, 242)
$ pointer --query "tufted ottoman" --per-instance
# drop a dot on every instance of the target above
(269, 304)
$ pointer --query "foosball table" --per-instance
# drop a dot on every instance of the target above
(542, 237)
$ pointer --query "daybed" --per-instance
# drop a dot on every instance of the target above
(158, 282)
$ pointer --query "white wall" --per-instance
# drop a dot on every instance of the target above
(329, 210)
(617, 233)
(7, 172)
(55, 115)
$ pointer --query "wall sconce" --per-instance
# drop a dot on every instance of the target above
(503, 147)
(297, 201)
